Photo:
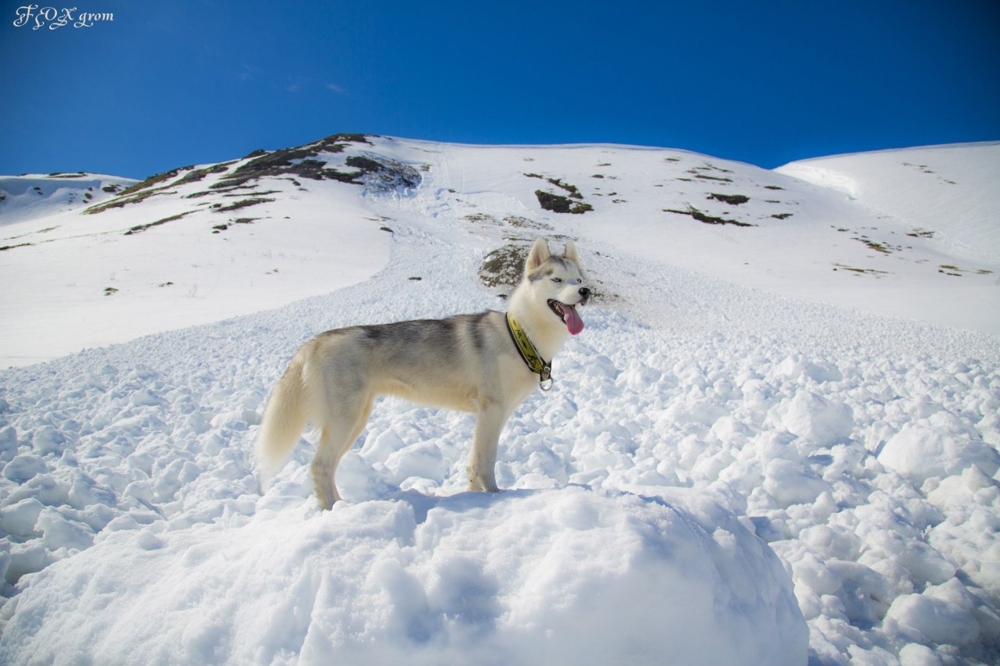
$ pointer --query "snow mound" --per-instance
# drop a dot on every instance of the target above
(524, 577)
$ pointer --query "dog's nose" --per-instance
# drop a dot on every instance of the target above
(584, 293)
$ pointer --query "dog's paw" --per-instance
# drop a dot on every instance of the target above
(480, 485)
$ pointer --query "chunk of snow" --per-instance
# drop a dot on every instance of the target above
(927, 619)
(919, 453)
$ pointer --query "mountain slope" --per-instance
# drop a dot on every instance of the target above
(944, 192)
(183, 247)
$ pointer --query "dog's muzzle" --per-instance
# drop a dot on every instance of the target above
(568, 314)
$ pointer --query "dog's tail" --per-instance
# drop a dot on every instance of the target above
(284, 419)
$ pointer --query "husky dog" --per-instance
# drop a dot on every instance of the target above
(485, 363)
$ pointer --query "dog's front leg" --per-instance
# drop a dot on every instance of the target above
(483, 459)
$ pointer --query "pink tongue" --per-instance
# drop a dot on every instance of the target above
(573, 322)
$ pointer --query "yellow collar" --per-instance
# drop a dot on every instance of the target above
(532, 359)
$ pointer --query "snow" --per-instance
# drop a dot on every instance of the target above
(725, 471)
(512, 579)
(31, 197)
(953, 179)
(112, 287)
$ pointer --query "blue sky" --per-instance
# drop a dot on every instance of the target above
(172, 83)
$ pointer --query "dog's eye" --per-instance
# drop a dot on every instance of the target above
(557, 279)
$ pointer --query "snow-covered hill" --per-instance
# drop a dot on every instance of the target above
(945, 192)
(743, 459)
(30, 197)
(204, 243)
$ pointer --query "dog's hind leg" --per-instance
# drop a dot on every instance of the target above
(337, 436)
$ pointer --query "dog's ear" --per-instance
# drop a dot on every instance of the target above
(570, 252)
(539, 255)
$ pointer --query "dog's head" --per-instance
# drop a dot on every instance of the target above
(559, 281)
